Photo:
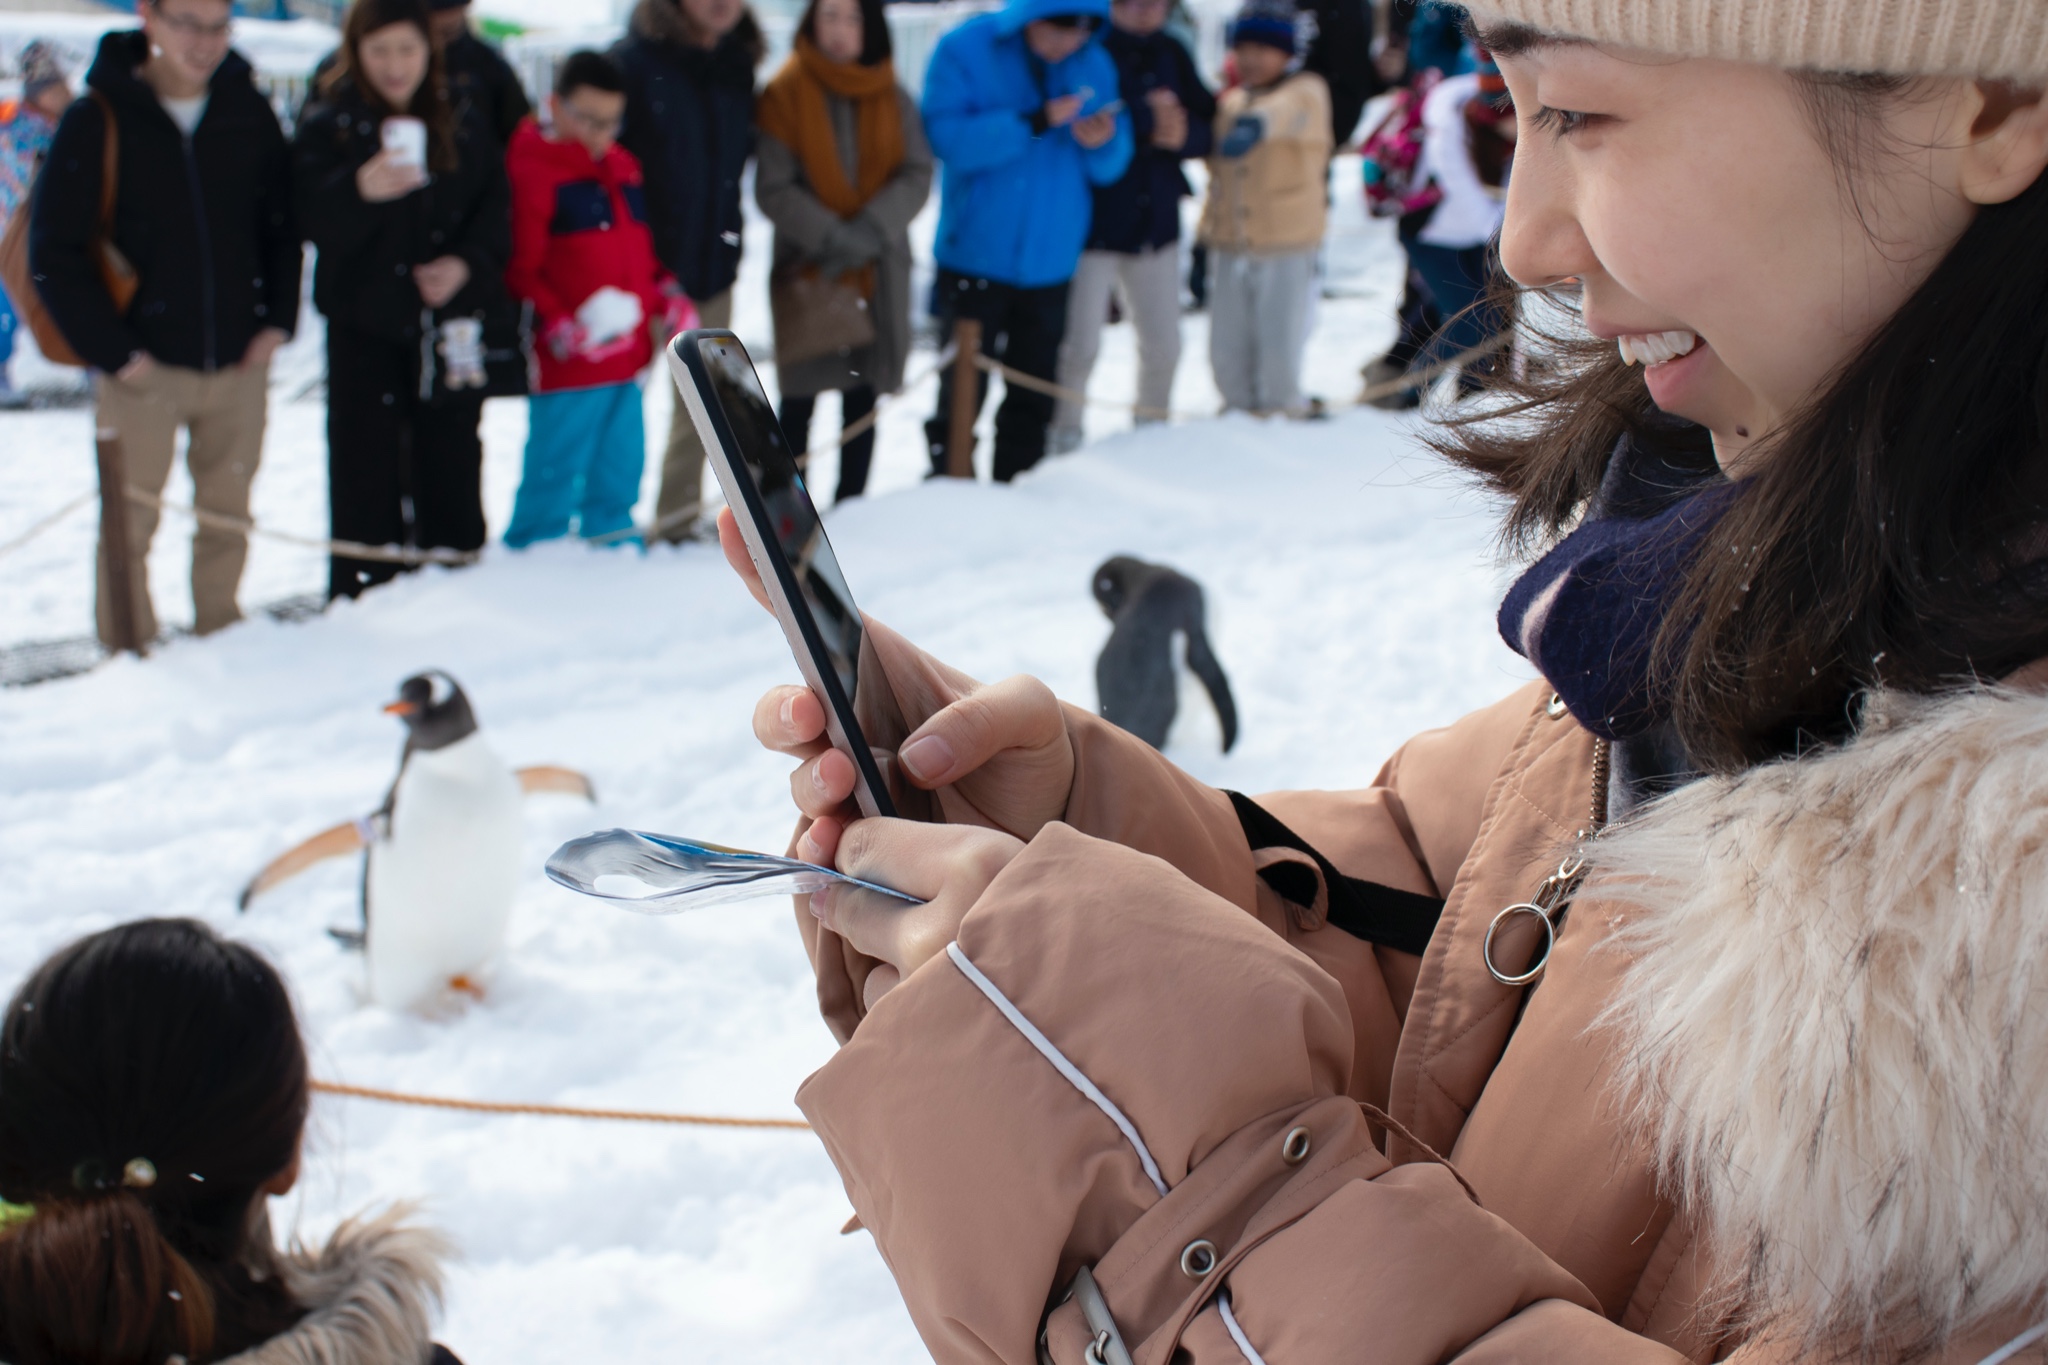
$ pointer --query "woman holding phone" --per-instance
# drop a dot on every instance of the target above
(406, 199)
(843, 166)
(1689, 1003)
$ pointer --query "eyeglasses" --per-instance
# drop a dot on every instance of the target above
(1082, 23)
(192, 28)
(591, 122)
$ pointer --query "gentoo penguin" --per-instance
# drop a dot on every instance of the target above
(1149, 604)
(443, 850)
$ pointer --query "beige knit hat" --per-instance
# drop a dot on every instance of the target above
(1992, 39)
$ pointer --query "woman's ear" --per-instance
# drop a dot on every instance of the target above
(2008, 146)
(281, 1183)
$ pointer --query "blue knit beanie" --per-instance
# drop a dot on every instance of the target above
(1275, 23)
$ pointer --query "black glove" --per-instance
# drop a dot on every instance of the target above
(848, 246)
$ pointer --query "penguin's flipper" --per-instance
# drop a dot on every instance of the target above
(547, 778)
(1202, 662)
(328, 843)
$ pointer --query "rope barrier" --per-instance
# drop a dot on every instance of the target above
(410, 555)
(47, 522)
(1420, 379)
(846, 434)
(874, 414)
(406, 554)
(365, 1092)
(354, 549)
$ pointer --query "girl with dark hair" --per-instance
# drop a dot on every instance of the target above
(410, 275)
(843, 167)
(1691, 1003)
(152, 1098)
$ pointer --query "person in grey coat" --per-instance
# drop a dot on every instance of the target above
(843, 166)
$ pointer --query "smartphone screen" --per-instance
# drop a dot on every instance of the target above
(792, 516)
(787, 515)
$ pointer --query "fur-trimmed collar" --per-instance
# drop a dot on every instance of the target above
(1834, 1021)
(735, 56)
(371, 1292)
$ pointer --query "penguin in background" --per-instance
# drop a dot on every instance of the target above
(442, 852)
(1148, 604)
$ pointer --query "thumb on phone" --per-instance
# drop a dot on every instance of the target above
(1017, 714)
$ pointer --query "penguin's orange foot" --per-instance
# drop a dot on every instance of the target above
(466, 986)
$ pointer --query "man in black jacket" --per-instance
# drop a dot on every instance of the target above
(477, 75)
(203, 212)
(1134, 236)
(689, 68)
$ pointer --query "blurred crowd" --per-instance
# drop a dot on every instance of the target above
(470, 246)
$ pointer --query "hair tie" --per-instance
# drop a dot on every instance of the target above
(92, 1177)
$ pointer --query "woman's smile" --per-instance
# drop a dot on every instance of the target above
(1674, 380)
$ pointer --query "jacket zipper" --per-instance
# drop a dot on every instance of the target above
(1553, 900)
(206, 324)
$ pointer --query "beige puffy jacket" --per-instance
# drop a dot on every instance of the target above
(1779, 1095)
(1271, 199)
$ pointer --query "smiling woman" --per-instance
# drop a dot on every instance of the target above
(1833, 281)
(1712, 962)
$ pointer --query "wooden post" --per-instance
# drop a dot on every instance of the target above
(966, 388)
(116, 546)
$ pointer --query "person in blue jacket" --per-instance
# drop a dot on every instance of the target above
(1023, 114)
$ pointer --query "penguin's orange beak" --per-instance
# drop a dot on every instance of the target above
(401, 708)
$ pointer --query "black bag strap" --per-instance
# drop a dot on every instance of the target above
(1401, 920)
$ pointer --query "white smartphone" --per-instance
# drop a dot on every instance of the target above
(406, 139)
(786, 539)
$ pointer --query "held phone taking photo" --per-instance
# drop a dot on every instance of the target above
(786, 539)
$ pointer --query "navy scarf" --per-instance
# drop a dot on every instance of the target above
(1587, 614)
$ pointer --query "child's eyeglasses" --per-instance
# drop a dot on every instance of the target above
(591, 122)
(1085, 23)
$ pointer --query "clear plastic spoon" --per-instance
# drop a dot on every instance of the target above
(657, 874)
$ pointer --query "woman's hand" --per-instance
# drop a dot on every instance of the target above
(441, 279)
(949, 866)
(996, 755)
(381, 180)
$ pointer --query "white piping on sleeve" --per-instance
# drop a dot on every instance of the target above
(1244, 1343)
(2016, 1345)
(1060, 1063)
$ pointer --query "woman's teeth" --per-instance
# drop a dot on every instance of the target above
(1655, 348)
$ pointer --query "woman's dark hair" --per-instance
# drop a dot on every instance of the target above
(156, 1042)
(875, 45)
(430, 104)
(1894, 533)
(592, 70)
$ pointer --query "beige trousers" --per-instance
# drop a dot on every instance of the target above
(682, 464)
(223, 413)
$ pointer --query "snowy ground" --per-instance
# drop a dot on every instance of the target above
(1351, 590)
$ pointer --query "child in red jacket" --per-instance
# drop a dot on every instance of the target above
(583, 257)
